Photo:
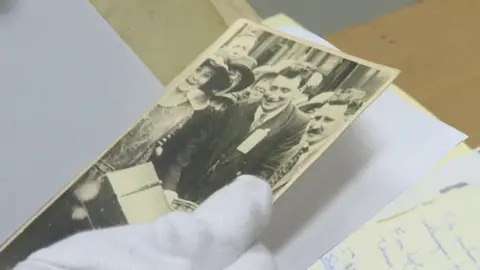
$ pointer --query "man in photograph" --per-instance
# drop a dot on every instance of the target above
(325, 120)
(255, 139)
(264, 76)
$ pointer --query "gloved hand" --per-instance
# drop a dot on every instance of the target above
(221, 234)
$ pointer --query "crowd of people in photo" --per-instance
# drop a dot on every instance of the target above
(233, 116)
(251, 107)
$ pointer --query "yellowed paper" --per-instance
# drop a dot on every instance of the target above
(441, 234)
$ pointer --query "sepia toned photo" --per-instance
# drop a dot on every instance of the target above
(256, 102)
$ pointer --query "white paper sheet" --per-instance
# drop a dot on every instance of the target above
(390, 147)
(69, 87)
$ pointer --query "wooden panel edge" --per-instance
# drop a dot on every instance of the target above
(231, 10)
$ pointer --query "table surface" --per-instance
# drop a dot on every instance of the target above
(435, 44)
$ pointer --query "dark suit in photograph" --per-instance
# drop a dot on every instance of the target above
(216, 161)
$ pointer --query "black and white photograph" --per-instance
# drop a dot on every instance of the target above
(256, 102)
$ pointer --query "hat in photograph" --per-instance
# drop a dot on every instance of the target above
(316, 101)
(244, 65)
(224, 98)
(221, 78)
(265, 70)
(349, 95)
(296, 65)
(332, 111)
(297, 68)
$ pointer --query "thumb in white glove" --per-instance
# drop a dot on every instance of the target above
(221, 234)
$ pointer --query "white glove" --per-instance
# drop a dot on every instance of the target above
(222, 234)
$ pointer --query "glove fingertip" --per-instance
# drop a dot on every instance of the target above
(248, 197)
(238, 213)
(257, 189)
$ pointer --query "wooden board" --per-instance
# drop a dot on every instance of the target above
(231, 10)
(435, 43)
(168, 34)
(165, 34)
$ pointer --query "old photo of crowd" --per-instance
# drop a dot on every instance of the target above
(257, 102)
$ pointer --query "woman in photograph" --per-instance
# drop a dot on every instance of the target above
(241, 77)
(211, 99)
(173, 109)
(193, 141)
(192, 94)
